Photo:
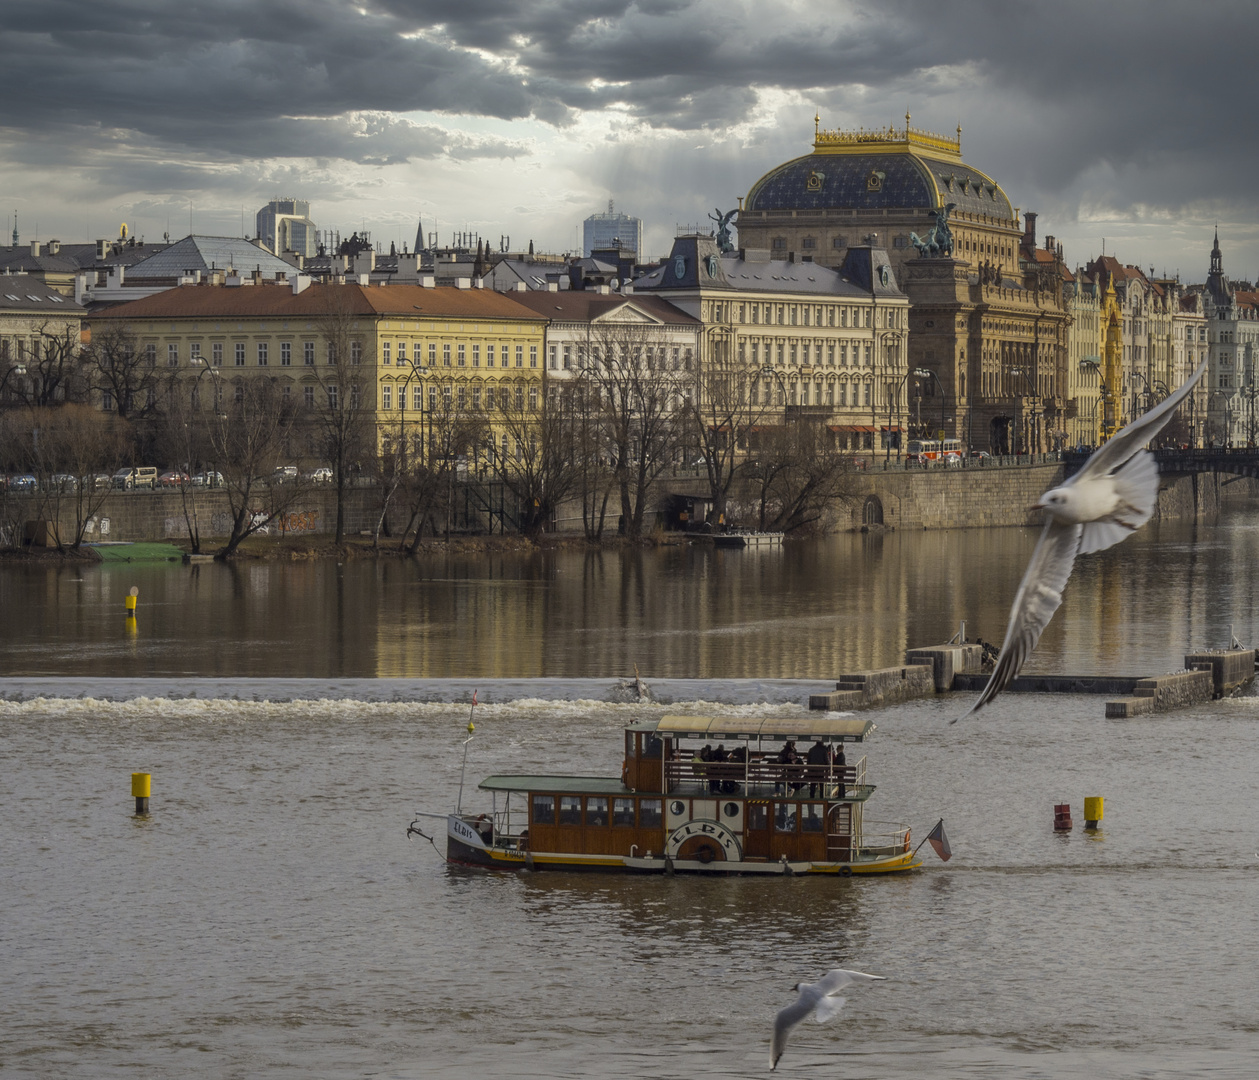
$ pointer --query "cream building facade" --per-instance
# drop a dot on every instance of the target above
(821, 344)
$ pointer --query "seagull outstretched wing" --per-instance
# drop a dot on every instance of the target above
(817, 998)
(1039, 595)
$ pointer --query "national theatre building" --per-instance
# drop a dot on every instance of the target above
(988, 324)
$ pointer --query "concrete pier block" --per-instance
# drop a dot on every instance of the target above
(948, 661)
(1230, 668)
(1128, 707)
(885, 686)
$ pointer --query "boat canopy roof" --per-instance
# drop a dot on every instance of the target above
(827, 728)
(573, 785)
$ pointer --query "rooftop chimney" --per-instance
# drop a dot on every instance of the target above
(102, 248)
(463, 283)
(300, 283)
(35, 248)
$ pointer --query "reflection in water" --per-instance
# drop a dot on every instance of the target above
(813, 610)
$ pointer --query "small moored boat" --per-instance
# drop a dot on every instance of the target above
(744, 795)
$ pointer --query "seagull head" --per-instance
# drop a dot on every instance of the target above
(1055, 500)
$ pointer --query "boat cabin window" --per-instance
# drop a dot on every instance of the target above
(811, 817)
(596, 810)
(544, 809)
(758, 815)
(654, 747)
(623, 812)
(650, 813)
(570, 809)
(629, 744)
(785, 817)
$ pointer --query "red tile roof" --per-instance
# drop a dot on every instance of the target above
(279, 301)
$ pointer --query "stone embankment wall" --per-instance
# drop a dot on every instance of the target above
(962, 498)
(149, 516)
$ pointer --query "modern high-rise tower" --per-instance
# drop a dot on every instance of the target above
(608, 230)
(284, 225)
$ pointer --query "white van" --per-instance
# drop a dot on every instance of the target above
(140, 476)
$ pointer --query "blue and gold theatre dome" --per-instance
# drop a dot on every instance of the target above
(883, 169)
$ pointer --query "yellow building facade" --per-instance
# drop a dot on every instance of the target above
(430, 356)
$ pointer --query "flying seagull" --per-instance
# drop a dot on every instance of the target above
(817, 998)
(1113, 495)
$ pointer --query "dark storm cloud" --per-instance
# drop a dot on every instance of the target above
(1135, 107)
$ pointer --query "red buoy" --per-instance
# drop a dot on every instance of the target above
(1062, 817)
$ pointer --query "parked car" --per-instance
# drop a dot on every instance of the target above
(953, 460)
(99, 481)
(139, 476)
(322, 475)
(284, 474)
(173, 479)
(23, 482)
(210, 479)
(64, 481)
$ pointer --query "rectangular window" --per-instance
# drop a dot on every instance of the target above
(551, 361)
(432, 354)
(356, 352)
(520, 356)
(785, 817)
(386, 355)
(216, 354)
(386, 397)
(446, 354)
(650, 813)
(150, 354)
(476, 397)
(462, 398)
(286, 354)
(570, 809)
(533, 356)
(332, 397)
(476, 355)
(543, 810)
(402, 352)
(489, 356)
(623, 812)
(568, 357)
(286, 394)
(417, 398)
(308, 396)
(596, 810)
(308, 353)
(172, 355)
(240, 354)
(262, 354)
(463, 357)
(194, 352)
(811, 817)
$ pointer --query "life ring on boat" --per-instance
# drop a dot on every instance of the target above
(705, 853)
(906, 847)
(845, 871)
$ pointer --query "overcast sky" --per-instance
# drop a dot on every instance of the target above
(1130, 121)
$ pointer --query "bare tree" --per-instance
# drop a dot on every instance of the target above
(728, 408)
(346, 409)
(248, 440)
(537, 467)
(52, 372)
(798, 472)
(125, 378)
(71, 450)
(642, 403)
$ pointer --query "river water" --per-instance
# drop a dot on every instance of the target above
(270, 916)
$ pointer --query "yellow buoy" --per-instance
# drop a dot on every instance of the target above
(471, 727)
(131, 598)
(1093, 809)
(141, 782)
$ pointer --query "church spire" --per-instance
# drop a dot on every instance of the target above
(419, 235)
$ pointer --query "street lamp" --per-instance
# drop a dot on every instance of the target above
(1228, 414)
(929, 373)
(416, 369)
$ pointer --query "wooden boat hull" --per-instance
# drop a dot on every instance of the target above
(467, 847)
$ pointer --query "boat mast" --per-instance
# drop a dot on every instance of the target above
(464, 768)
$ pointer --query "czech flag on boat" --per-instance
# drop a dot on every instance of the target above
(940, 842)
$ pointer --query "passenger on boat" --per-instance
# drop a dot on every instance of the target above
(787, 756)
(699, 763)
(737, 756)
(818, 758)
(839, 762)
(719, 756)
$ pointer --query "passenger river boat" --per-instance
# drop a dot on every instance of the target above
(696, 794)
